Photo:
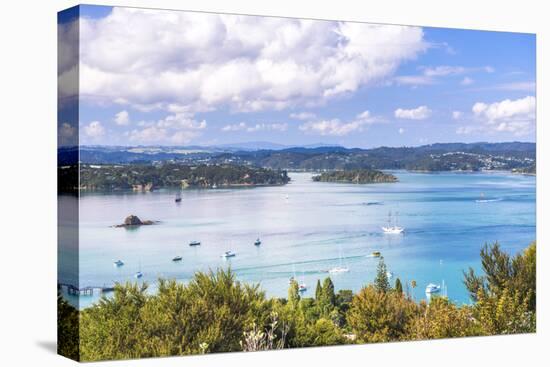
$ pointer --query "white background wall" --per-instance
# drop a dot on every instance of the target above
(28, 172)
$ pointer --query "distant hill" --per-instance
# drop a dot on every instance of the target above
(433, 157)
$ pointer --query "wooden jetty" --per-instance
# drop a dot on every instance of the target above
(84, 291)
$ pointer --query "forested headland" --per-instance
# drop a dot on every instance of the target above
(359, 176)
(176, 175)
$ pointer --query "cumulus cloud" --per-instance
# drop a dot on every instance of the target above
(94, 129)
(419, 113)
(155, 58)
(506, 110)
(331, 127)
(457, 115)
(122, 118)
(336, 127)
(177, 128)
(512, 116)
(303, 116)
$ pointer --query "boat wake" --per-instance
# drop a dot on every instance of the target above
(488, 200)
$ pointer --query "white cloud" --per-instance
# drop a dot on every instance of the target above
(430, 75)
(414, 80)
(443, 70)
(331, 127)
(517, 86)
(177, 128)
(457, 115)
(155, 58)
(303, 116)
(512, 116)
(235, 127)
(94, 129)
(336, 127)
(243, 126)
(122, 118)
(401, 130)
(507, 109)
(419, 113)
(268, 127)
(467, 81)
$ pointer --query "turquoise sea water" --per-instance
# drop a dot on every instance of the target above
(307, 228)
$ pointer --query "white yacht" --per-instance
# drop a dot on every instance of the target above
(393, 228)
(433, 288)
(340, 268)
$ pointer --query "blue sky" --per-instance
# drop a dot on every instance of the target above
(177, 78)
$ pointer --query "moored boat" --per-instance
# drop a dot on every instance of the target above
(433, 288)
(392, 228)
(194, 243)
(177, 258)
(228, 254)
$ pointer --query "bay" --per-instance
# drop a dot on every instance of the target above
(307, 228)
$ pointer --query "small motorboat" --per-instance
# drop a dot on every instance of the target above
(228, 254)
(118, 263)
(194, 243)
(138, 275)
(177, 258)
(257, 242)
(178, 198)
(376, 254)
(433, 288)
(302, 287)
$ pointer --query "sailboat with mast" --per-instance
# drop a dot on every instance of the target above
(339, 269)
(393, 226)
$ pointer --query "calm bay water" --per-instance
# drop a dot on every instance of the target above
(307, 228)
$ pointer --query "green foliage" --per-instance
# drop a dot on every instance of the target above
(398, 286)
(211, 313)
(379, 316)
(381, 282)
(117, 177)
(216, 313)
(360, 176)
(293, 293)
(327, 298)
(318, 290)
(516, 275)
(67, 330)
(506, 313)
(443, 319)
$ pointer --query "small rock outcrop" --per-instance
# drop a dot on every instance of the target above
(133, 220)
